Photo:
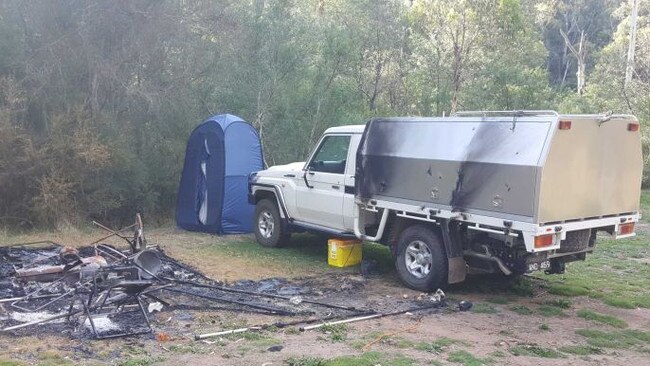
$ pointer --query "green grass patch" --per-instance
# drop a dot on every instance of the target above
(498, 300)
(534, 351)
(559, 303)
(522, 286)
(304, 361)
(304, 250)
(547, 310)
(544, 326)
(567, 290)
(613, 273)
(136, 361)
(521, 310)
(336, 332)
(602, 318)
(618, 340)
(483, 308)
(4, 362)
(437, 346)
(620, 303)
(497, 353)
(467, 359)
(645, 205)
(53, 358)
(582, 350)
(364, 359)
(381, 254)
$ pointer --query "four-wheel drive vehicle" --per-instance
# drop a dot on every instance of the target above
(478, 192)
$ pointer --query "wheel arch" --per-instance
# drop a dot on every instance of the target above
(447, 230)
(271, 192)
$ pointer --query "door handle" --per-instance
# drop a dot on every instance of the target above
(290, 175)
(311, 173)
(335, 186)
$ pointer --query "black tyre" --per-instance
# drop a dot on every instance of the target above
(421, 260)
(270, 231)
(575, 241)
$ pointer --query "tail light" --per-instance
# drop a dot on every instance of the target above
(565, 125)
(543, 241)
(625, 229)
(633, 127)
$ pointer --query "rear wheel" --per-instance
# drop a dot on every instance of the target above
(421, 261)
(269, 228)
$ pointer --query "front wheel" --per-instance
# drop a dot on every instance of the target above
(269, 229)
(421, 261)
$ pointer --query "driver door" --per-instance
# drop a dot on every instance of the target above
(319, 200)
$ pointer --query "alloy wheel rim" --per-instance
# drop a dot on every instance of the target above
(266, 224)
(418, 259)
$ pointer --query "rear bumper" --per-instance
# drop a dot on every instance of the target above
(610, 224)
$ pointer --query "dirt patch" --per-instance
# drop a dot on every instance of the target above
(494, 336)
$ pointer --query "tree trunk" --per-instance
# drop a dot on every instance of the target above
(629, 67)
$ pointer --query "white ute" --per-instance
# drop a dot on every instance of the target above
(477, 192)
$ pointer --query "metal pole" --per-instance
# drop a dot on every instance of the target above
(349, 320)
(225, 332)
(367, 317)
(259, 327)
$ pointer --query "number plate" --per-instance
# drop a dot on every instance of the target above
(543, 265)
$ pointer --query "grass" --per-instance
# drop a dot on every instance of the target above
(304, 251)
(4, 362)
(136, 361)
(483, 308)
(467, 359)
(623, 339)
(582, 350)
(500, 300)
(498, 354)
(305, 361)
(548, 310)
(559, 303)
(544, 326)
(364, 359)
(437, 346)
(612, 273)
(53, 358)
(496, 284)
(602, 318)
(645, 205)
(521, 310)
(336, 332)
(534, 351)
(381, 254)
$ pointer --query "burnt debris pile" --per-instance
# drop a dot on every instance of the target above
(101, 291)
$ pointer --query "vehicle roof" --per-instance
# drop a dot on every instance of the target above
(346, 129)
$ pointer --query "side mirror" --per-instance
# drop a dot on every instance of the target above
(304, 176)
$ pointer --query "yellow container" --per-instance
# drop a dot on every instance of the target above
(343, 253)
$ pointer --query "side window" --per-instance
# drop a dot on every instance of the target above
(331, 155)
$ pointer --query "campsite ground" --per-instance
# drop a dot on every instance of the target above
(598, 312)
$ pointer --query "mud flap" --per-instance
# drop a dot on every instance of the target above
(457, 268)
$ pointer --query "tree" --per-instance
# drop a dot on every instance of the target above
(629, 69)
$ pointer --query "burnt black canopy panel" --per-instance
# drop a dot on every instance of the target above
(463, 163)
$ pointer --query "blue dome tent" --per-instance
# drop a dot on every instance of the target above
(212, 196)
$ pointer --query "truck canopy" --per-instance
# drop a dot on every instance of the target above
(536, 167)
